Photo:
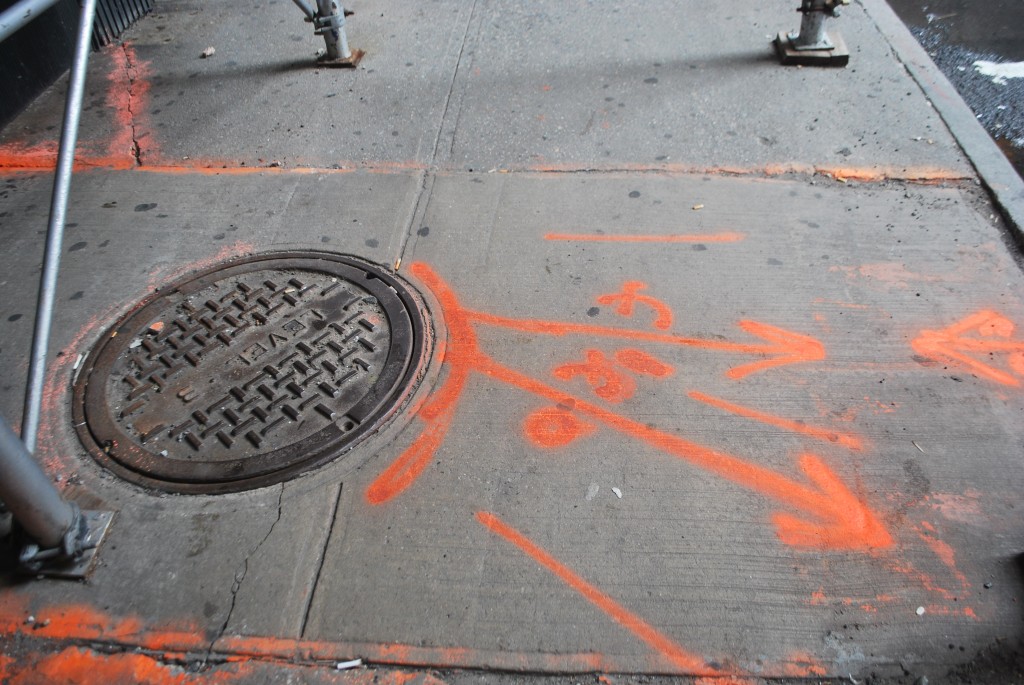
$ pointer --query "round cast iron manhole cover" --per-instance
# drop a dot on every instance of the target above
(251, 372)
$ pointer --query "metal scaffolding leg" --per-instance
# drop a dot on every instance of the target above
(63, 538)
(55, 232)
(330, 23)
(812, 45)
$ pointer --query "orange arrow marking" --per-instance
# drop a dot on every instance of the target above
(785, 347)
(832, 517)
(824, 434)
(836, 518)
(985, 333)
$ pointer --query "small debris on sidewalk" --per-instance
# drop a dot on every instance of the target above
(696, 207)
(618, 493)
(920, 611)
(346, 665)
(208, 52)
(156, 327)
(78, 362)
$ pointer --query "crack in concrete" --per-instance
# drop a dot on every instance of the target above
(240, 573)
(131, 73)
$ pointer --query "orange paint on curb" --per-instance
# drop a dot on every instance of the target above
(660, 643)
(825, 435)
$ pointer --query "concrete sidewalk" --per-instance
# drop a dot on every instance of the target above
(721, 375)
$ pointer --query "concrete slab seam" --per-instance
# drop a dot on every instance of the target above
(320, 562)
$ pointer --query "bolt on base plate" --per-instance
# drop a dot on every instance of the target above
(838, 56)
(342, 62)
(98, 523)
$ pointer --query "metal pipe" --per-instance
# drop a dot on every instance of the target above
(306, 8)
(812, 35)
(55, 232)
(331, 17)
(16, 16)
(28, 493)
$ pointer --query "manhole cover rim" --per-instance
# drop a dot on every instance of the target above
(410, 320)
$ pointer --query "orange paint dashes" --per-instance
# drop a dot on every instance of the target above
(659, 642)
(984, 334)
(825, 435)
(640, 362)
(723, 237)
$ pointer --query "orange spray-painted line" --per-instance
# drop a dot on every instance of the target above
(724, 237)
(786, 347)
(845, 439)
(662, 644)
(841, 520)
(440, 408)
(404, 471)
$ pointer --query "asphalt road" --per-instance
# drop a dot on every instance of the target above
(962, 36)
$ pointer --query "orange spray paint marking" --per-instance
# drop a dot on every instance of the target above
(553, 427)
(128, 97)
(660, 643)
(629, 297)
(944, 552)
(846, 440)
(984, 334)
(724, 237)
(837, 519)
(785, 346)
(607, 382)
(639, 361)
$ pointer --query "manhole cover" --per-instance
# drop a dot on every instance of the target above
(250, 372)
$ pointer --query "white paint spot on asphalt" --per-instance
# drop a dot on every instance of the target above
(1000, 71)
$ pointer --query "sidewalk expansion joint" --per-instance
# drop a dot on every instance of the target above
(240, 574)
(320, 563)
(451, 90)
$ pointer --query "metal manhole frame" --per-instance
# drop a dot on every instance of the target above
(323, 447)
